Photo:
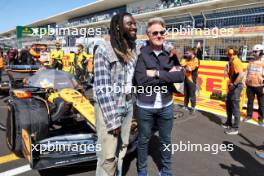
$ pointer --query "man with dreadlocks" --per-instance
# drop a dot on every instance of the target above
(114, 65)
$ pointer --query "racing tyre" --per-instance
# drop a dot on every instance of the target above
(28, 114)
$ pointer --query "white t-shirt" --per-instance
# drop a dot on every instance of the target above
(130, 69)
(129, 78)
(158, 100)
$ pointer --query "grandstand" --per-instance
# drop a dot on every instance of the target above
(246, 17)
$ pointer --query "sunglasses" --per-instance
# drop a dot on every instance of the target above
(156, 33)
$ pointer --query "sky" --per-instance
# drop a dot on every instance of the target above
(22, 12)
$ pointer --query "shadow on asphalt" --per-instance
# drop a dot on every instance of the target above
(153, 152)
(250, 143)
(212, 117)
(127, 161)
(249, 164)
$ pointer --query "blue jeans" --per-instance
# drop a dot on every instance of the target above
(146, 118)
(233, 106)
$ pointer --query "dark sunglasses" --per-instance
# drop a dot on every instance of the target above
(155, 33)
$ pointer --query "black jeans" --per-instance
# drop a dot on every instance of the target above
(251, 92)
(189, 93)
(233, 106)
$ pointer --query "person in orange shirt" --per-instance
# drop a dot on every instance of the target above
(191, 64)
(1, 63)
(235, 87)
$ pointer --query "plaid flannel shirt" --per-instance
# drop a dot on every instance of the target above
(109, 72)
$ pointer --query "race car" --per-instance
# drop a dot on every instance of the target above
(51, 122)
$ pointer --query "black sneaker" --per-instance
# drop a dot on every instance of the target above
(232, 131)
(246, 119)
(225, 126)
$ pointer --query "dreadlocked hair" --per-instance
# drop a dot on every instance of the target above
(117, 37)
